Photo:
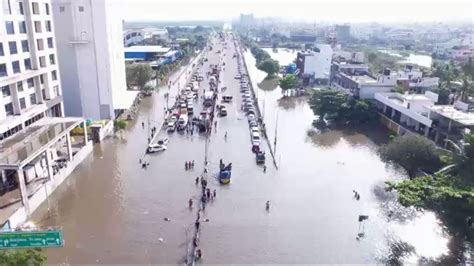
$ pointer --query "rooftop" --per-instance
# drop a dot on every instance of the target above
(124, 99)
(448, 111)
(26, 144)
(147, 49)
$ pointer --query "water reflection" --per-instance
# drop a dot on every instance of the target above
(288, 103)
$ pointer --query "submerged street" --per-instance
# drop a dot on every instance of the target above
(113, 211)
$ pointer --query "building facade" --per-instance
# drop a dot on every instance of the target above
(29, 75)
(317, 63)
(91, 52)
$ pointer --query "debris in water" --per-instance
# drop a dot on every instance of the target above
(167, 219)
(160, 239)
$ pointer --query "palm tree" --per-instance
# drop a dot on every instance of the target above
(466, 89)
(462, 154)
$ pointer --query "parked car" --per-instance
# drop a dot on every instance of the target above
(254, 130)
(255, 137)
(251, 111)
(222, 110)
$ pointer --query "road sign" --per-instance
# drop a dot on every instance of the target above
(32, 239)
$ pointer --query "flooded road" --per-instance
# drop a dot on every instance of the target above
(112, 211)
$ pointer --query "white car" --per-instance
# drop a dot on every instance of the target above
(255, 137)
(254, 130)
(161, 145)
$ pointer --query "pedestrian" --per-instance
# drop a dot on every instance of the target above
(264, 168)
(208, 192)
(197, 225)
(190, 203)
(186, 165)
(225, 135)
(214, 193)
(192, 164)
(148, 140)
(143, 124)
(267, 205)
(197, 180)
(140, 161)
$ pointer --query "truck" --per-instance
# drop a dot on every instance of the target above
(208, 97)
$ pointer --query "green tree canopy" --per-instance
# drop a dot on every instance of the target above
(22, 257)
(327, 102)
(138, 75)
(412, 152)
(269, 66)
(288, 82)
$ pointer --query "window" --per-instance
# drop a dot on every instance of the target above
(81, 9)
(41, 79)
(50, 42)
(27, 64)
(40, 45)
(24, 46)
(22, 26)
(9, 27)
(61, 9)
(7, 9)
(16, 67)
(22, 103)
(43, 93)
(9, 108)
(6, 91)
(30, 82)
(33, 98)
(56, 90)
(52, 61)
(19, 86)
(20, 8)
(3, 70)
(38, 26)
(12, 46)
(48, 26)
(1, 49)
(42, 60)
(46, 8)
(35, 8)
(54, 75)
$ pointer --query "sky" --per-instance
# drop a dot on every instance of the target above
(307, 10)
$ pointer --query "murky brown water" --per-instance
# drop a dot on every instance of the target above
(112, 211)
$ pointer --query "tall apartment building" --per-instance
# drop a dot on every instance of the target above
(29, 75)
(91, 57)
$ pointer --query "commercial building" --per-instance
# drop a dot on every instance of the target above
(134, 37)
(315, 64)
(38, 148)
(145, 52)
(91, 58)
(29, 75)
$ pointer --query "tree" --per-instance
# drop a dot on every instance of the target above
(22, 257)
(120, 126)
(431, 191)
(460, 157)
(327, 102)
(138, 75)
(269, 66)
(466, 89)
(358, 111)
(288, 82)
(412, 152)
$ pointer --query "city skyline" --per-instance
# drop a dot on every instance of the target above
(338, 11)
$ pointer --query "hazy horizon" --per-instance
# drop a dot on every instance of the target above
(340, 11)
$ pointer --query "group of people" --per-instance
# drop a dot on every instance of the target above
(356, 195)
(188, 165)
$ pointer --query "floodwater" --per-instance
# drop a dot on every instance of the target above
(417, 59)
(112, 211)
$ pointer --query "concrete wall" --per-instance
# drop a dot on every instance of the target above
(93, 51)
(319, 64)
(20, 216)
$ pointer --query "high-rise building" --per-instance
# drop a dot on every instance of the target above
(29, 75)
(91, 57)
